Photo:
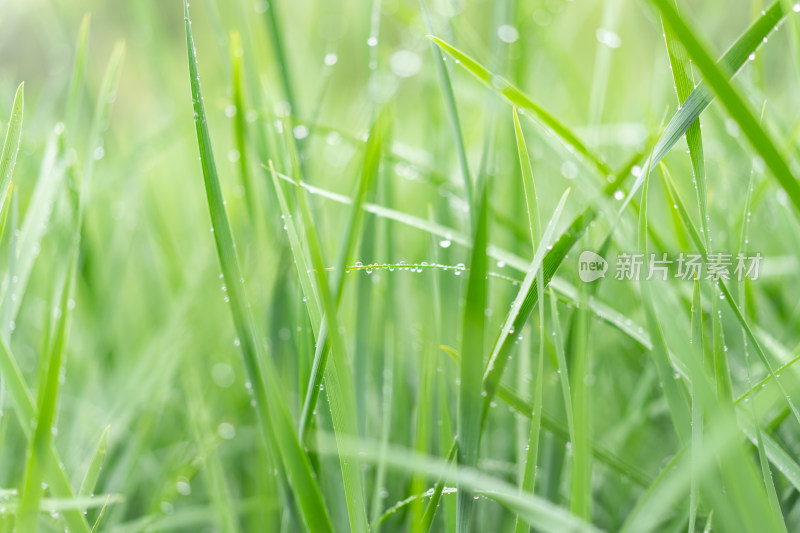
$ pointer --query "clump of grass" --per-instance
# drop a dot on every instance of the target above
(402, 340)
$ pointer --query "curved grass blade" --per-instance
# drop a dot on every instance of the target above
(273, 416)
(8, 158)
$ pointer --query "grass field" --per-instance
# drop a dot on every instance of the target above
(391, 265)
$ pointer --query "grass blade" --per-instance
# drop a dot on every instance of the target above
(273, 416)
(732, 100)
(8, 158)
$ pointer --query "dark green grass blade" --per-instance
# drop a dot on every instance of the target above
(8, 158)
(473, 339)
(273, 416)
(740, 111)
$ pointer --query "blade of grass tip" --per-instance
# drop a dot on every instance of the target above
(96, 526)
(532, 207)
(369, 170)
(89, 482)
(676, 400)
(732, 100)
(452, 109)
(684, 85)
(726, 295)
(37, 215)
(470, 387)
(518, 99)
(273, 416)
(78, 72)
(8, 158)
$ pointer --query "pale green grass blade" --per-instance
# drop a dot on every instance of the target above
(518, 99)
(766, 473)
(273, 416)
(78, 73)
(563, 370)
(545, 515)
(89, 482)
(240, 128)
(8, 158)
(531, 198)
(732, 100)
(472, 352)
(696, 445)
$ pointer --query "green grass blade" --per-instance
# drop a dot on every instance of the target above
(470, 387)
(732, 100)
(273, 416)
(89, 482)
(523, 304)
(8, 158)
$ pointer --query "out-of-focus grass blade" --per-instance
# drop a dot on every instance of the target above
(473, 340)
(696, 447)
(763, 458)
(240, 127)
(452, 109)
(78, 71)
(543, 514)
(273, 416)
(352, 231)
(36, 463)
(517, 98)
(732, 100)
(95, 466)
(8, 158)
